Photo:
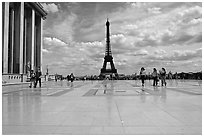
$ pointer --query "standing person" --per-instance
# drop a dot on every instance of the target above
(142, 75)
(38, 78)
(32, 78)
(163, 76)
(155, 77)
(170, 75)
(84, 78)
(72, 77)
(56, 77)
(176, 77)
(67, 77)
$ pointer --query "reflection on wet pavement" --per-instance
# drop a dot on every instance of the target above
(103, 107)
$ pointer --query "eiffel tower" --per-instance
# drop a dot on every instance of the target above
(108, 55)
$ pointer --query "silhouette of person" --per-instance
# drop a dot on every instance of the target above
(170, 75)
(38, 78)
(142, 75)
(155, 76)
(68, 77)
(32, 78)
(72, 77)
(163, 76)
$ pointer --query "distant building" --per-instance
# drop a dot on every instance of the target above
(22, 25)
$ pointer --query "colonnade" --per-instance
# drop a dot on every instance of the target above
(22, 36)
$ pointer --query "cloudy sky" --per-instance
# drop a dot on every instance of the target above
(146, 35)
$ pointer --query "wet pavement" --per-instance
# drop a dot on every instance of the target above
(104, 108)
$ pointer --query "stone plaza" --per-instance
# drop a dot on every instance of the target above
(118, 107)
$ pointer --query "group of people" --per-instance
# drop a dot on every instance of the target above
(35, 77)
(70, 77)
(155, 75)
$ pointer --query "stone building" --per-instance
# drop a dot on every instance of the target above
(22, 29)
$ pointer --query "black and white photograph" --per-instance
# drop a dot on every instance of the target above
(101, 68)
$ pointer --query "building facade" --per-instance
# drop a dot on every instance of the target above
(22, 29)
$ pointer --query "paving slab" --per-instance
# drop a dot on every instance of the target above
(103, 108)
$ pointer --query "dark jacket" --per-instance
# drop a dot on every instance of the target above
(38, 74)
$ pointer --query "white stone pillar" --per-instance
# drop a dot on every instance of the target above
(33, 39)
(41, 47)
(5, 37)
(21, 37)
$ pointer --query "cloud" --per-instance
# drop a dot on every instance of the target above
(165, 29)
(60, 26)
(137, 4)
(45, 51)
(160, 52)
(50, 8)
(92, 44)
(141, 52)
(177, 55)
(130, 27)
(196, 10)
(196, 39)
(122, 42)
(154, 10)
(62, 57)
(195, 21)
(53, 41)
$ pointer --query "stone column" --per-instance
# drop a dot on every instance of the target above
(25, 44)
(30, 37)
(21, 36)
(18, 38)
(5, 36)
(38, 41)
(11, 40)
(41, 43)
(33, 39)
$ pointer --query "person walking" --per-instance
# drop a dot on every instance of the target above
(163, 76)
(155, 76)
(142, 75)
(38, 77)
(32, 78)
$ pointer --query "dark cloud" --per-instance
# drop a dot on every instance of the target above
(181, 39)
(196, 39)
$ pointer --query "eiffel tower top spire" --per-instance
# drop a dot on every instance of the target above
(108, 48)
